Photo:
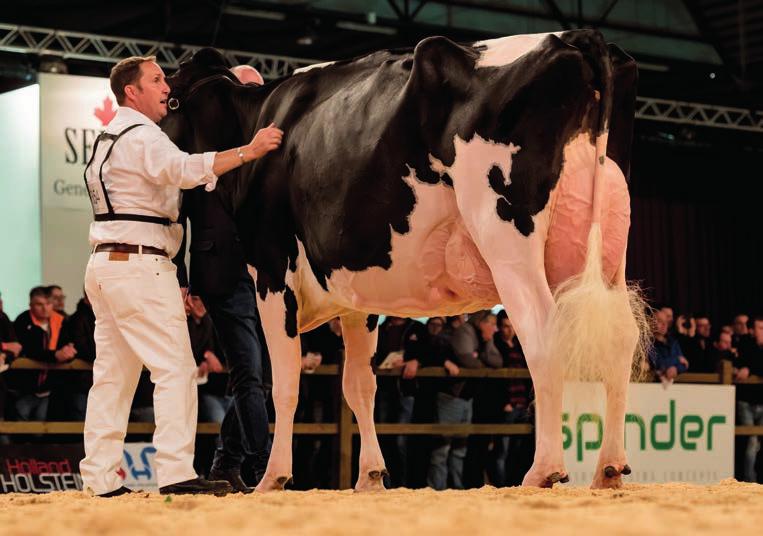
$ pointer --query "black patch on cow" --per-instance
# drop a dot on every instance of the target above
(371, 322)
(623, 114)
(506, 211)
(290, 300)
(353, 129)
(445, 179)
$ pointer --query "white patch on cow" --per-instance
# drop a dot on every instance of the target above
(469, 172)
(505, 50)
(436, 269)
(313, 66)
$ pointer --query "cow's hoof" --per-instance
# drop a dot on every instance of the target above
(610, 477)
(273, 484)
(542, 479)
(553, 478)
(374, 481)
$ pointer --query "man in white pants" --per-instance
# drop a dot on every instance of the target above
(134, 179)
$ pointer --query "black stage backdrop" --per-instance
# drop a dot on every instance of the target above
(696, 236)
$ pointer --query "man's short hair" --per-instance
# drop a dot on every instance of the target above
(51, 288)
(126, 72)
(39, 291)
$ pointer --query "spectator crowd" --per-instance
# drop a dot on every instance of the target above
(482, 340)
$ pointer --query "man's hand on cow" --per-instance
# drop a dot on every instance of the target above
(203, 370)
(684, 361)
(410, 369)
(265, 140)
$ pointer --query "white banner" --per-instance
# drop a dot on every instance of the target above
(683, 433)
(73, 111)
(138, 467)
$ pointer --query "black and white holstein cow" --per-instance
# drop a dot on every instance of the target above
(436, 181)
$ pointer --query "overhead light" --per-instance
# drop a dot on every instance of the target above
(305, 40)
(712, 76)
(53, 64)
(346, 25)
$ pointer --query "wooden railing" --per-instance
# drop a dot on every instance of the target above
(345, 428)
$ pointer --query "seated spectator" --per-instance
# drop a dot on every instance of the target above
(213, 399)
(722, 349)
(667, 312)
(505, 468)
(741, 328)
(57, 299)
(473, 347)
(452, 323)
(695, 340)
(43, 337)
(750, 397)
(666, 356)
(429, 346)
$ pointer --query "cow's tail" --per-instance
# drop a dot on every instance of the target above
(596, 322)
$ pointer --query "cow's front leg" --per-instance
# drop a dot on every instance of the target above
(278, 314)
(612, 462)
(359, 387)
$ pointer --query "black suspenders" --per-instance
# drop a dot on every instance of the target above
(109, 214)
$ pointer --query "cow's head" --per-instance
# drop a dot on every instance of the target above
(200, 116)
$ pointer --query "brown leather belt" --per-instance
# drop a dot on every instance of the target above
(130, 248)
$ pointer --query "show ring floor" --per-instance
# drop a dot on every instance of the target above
(639, 509)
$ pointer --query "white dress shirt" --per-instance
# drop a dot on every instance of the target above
(144, 175)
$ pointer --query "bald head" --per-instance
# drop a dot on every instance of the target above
(247, 74)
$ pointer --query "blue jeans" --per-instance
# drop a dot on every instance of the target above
(212, 408)
(244, 431)
(32, 408)
(448, 458)
(750, 415)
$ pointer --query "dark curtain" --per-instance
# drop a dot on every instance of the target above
(696, 239)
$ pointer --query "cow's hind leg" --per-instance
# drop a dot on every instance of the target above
(359, 386)
(612, 462)
(529, 303)
(278, 314)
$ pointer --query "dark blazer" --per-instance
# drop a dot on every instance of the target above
(217, 257)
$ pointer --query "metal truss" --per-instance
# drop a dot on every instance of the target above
(704, 115)
(82, 46)
(75, 45)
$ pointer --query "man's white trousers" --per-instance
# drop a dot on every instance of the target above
(140, 320)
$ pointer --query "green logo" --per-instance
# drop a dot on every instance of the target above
(589, 431)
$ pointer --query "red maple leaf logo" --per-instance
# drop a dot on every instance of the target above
(106, 113)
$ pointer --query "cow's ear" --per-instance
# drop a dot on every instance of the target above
(210, 57)
(440, 63)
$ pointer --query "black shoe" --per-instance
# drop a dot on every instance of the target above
(116, 493)
(198, 485)
(233, 477)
